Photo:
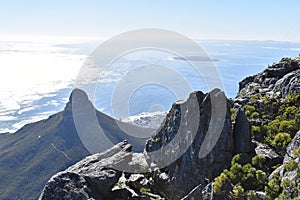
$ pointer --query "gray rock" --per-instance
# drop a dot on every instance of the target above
(244, 82)
(290, 83)
(290, 154)
(191, 168)
(93, 177)
(137, 181)
(241, 133)
(272, 158)
(277, 80)
(280, 69)
(197, 193)
(68, 185)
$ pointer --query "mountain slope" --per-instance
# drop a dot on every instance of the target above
(30, 156)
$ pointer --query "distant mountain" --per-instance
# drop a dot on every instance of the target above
(31, 155)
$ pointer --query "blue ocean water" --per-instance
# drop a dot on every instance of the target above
(234, 61)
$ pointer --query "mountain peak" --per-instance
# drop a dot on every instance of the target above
(78, 96)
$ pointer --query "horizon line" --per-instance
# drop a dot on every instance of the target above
(54, 38)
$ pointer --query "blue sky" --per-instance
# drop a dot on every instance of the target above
(211, 19)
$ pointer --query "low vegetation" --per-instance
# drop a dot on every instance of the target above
(274, 123)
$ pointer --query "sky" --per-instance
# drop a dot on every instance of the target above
(40, 38)
(210, 19)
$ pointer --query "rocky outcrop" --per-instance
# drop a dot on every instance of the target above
(94, 177)
(90, 178)
(277, 80)
(241, 132)
(191, 169)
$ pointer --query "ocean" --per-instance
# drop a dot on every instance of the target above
(37, 77)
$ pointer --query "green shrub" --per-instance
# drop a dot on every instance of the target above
(290, 112)
(258, 161)
(290, 166)
(286, 183)
(288, 126)
(281, 140)
(249, 172)
(144, 191)
(261, 177)
(249, 109)
(292, 98)
(290, 190)
(251, 195)
(219, 183)
(238, 191)
(273, 127)
(273, 188)
(256, 129)
(236, 172)
(296, 152)
(232, 111)
(254, 115)
(236, 159)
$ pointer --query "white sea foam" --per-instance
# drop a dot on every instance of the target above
(32, 70)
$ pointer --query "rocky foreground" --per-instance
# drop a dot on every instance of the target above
(250, 152)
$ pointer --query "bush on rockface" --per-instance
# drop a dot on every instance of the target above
(280, 141)
(258, 161)
(242, 175)
(290, 166)
(273, 188)
(285, 125)
(219, 184)
(276, 122)
(238, 191)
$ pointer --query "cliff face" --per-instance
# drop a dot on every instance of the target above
(192, 166)
(187, 155)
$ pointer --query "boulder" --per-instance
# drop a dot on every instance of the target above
(91, 178)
